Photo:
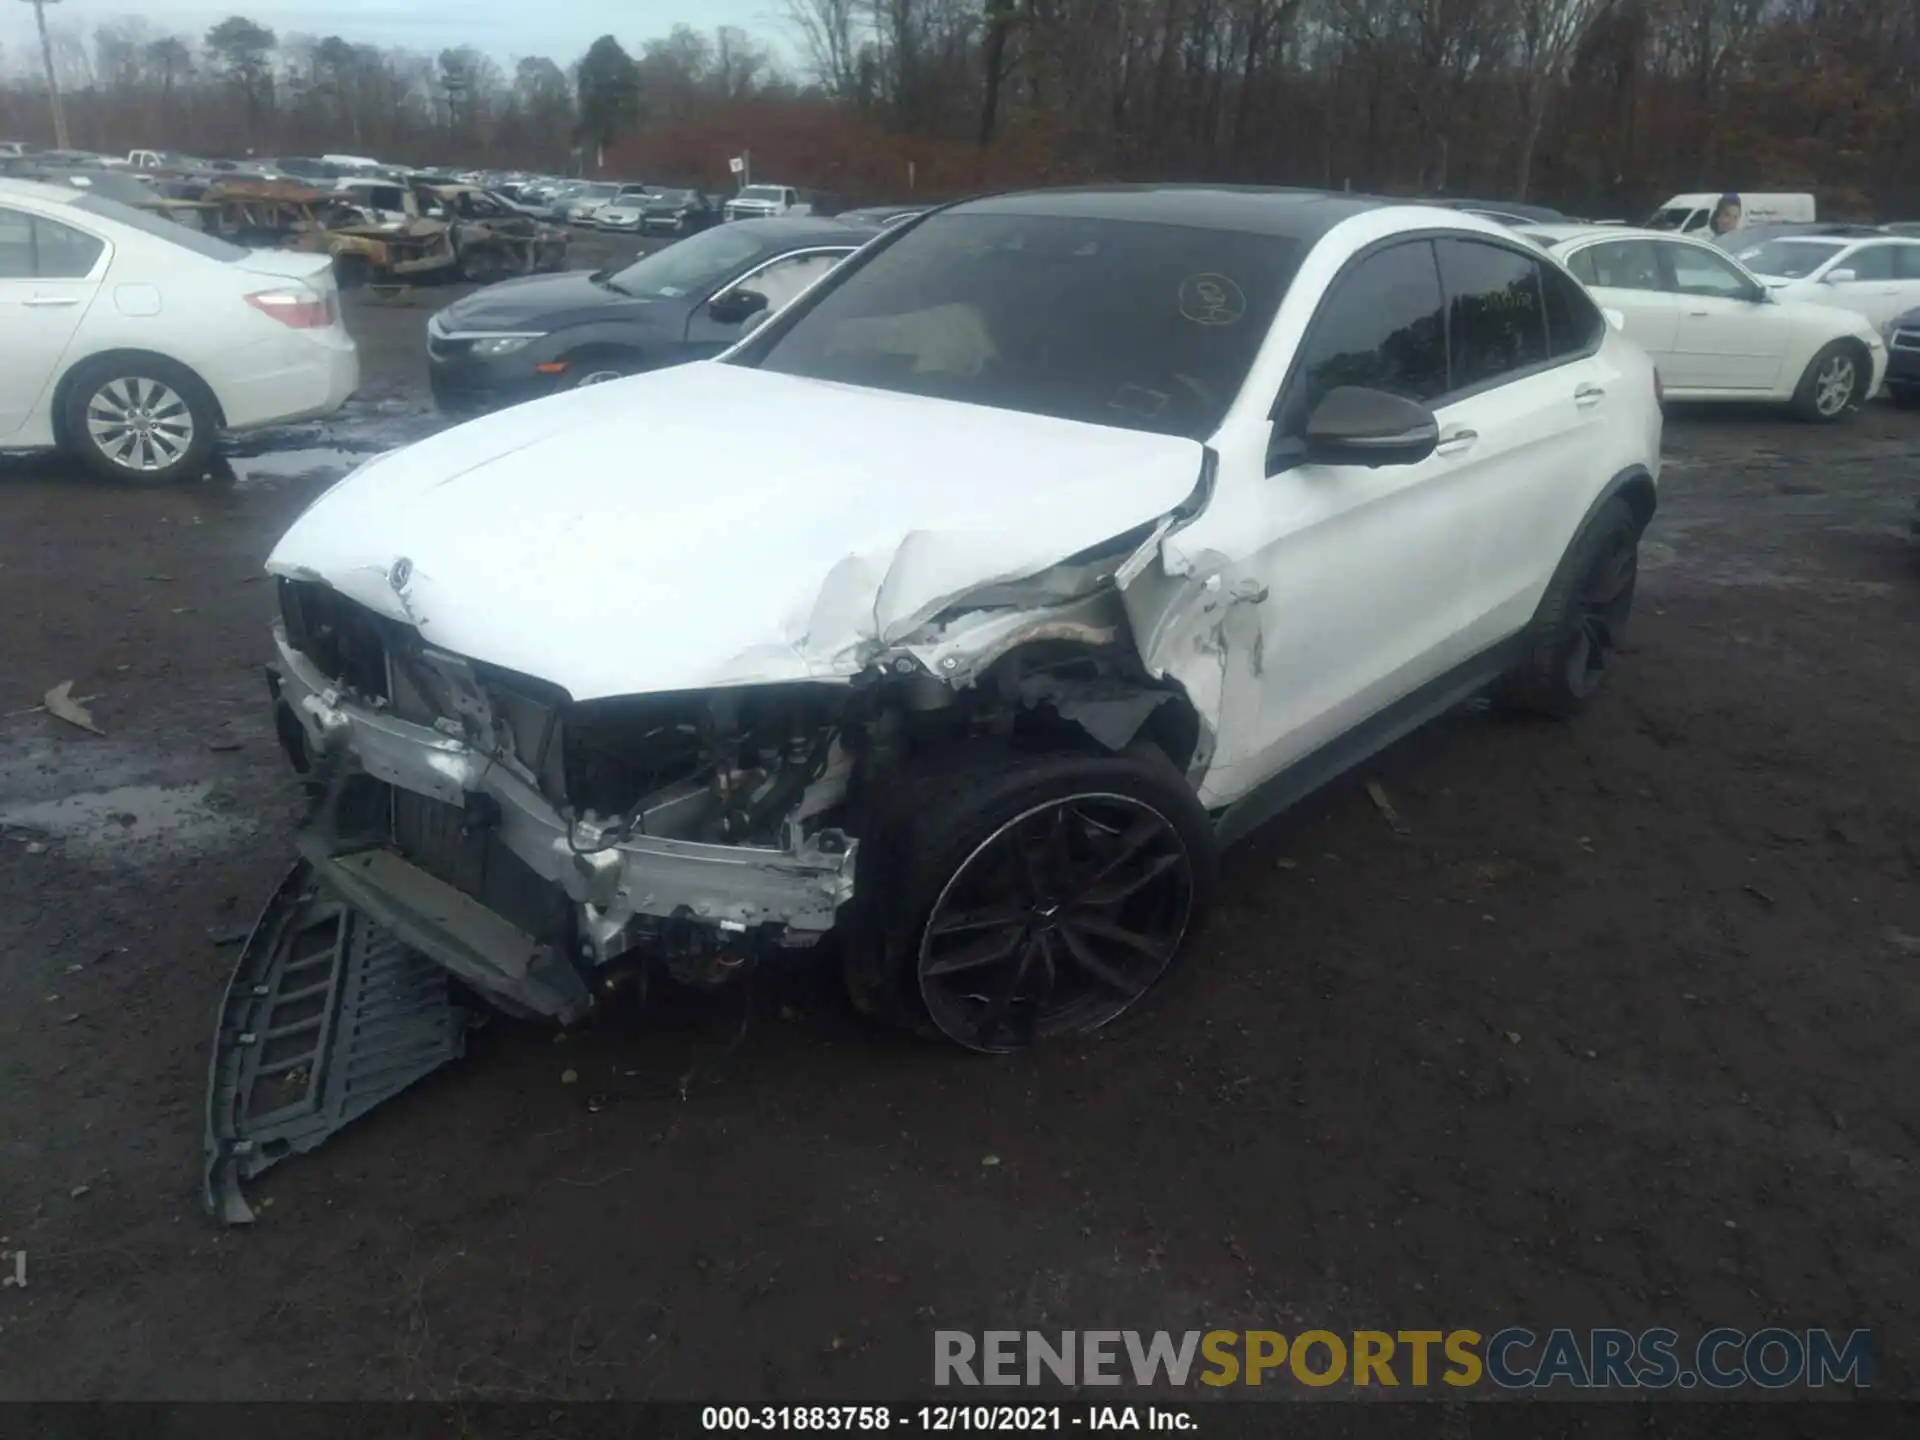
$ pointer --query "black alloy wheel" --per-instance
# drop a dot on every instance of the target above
(1057, 922)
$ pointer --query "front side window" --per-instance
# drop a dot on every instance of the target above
(783, 280)
(1906, 261)
(1382, 328)
(1788, 259)
(1496, 317)
(1105, 321)
(1699, 271)
(1620, 265)
(1870, 262)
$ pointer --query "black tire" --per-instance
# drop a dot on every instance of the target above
(1834, 384)
(171, 421)
(1581, 619)
(941, 840)
(351, 272)
(483, 266)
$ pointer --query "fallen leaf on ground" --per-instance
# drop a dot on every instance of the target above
(62, 706)
(1385, 807)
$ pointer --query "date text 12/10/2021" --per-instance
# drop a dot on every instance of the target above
(947, 1419)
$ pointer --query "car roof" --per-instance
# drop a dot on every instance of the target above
(1827, 239)
(798, 229)
(1554, 236)
(40, 190)
(1256, 209)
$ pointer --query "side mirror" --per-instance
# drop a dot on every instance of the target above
(731, 307)
(1838, 277)
(1615, 318)
(1356, 426)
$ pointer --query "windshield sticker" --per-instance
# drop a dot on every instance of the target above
(1212, 300)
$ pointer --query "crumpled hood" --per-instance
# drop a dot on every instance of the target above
(712, 524)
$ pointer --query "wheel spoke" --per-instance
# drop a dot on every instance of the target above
(1084, 957)
(991, 917)
(1112, 930)
(1137, 835)
(989, 1020)
(988, 950)
(1116, 891)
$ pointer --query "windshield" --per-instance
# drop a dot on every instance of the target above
(688, 268)
(673, 197)
(1109, 322)
(149, 223)
(1788, 259)
(597, 192)
(762, 192)
(1674, 217)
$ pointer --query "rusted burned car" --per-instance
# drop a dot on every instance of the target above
(491, 239)
(1101, 526)
(278, 214)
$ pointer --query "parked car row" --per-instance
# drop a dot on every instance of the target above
(1717, 331)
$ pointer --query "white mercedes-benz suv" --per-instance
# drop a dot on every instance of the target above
(1088, 530)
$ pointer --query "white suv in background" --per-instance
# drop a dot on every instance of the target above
(1114, 521)
(131, 341)
(1717, 332)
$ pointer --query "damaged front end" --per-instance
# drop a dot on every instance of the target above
(545, 851)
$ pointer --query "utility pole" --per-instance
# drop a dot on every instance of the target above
(53, 85)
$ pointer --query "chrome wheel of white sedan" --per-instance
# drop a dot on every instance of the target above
(1833, 386)
(140, 424)
(132, 419)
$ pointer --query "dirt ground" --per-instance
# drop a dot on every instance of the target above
(1621, 1033)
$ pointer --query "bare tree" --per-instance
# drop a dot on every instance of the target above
(1547, 35)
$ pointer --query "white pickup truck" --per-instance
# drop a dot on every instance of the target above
(763, 202)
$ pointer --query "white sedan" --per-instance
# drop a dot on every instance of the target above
(131, 341)
(1876, 277)
(1716, 331)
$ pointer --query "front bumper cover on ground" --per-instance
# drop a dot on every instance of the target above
(326, 1016)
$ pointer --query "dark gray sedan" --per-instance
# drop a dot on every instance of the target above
(525, 338)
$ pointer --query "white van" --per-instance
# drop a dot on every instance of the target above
(1689, 213)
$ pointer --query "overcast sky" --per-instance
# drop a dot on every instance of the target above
(505, 29)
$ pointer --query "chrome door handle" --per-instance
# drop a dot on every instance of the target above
(1454, 442)
(51, 300)
(1589, 394)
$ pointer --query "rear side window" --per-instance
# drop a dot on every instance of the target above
(34, 248)
(1574, 323)
(1496, 316)
(16, 246)
(1382, 328)
(1906, 261)
(65, 253)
